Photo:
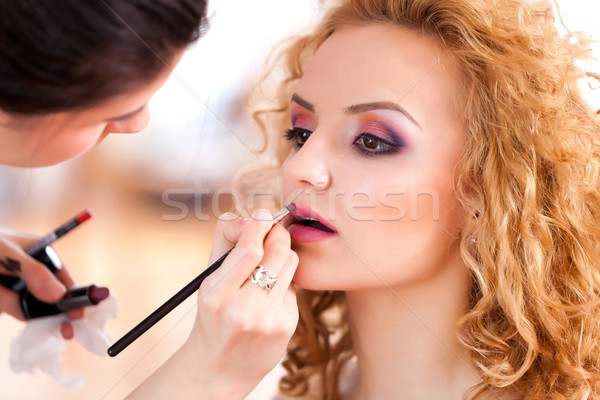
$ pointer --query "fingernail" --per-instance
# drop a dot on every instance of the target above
(53, 289)
(228, 216)
(264, 217)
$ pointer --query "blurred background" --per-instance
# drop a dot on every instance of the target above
(151, 232)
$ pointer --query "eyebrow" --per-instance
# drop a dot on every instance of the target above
(300, 101)
(380, 105)
(130, 114)
(361, 108)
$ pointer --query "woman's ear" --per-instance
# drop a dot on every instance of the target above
(471, 220)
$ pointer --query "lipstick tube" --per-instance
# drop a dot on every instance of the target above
(76, 297)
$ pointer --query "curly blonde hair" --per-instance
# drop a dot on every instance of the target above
(530, 173)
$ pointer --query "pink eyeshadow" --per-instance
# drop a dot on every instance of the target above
(301, 121)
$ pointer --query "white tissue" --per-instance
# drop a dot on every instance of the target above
(40, 342)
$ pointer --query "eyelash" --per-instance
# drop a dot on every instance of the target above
(294, 134)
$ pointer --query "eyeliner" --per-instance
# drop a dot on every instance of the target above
(44, 254)
(180, 296)
(59, 232)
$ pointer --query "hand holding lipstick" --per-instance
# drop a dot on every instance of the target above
(40, 281)
(241, 329)
(71, 299)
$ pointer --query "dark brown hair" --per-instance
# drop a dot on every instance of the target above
(69, 54)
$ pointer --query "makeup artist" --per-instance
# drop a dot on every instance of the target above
(72, 72)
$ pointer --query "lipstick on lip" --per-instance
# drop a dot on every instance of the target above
(308, 226)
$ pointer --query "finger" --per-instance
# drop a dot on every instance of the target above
(66, 330)
(286, 276)
(247, 253)
(11, 257)
(277, 247)
(40, 281)
(64, 277)
(227, 233)
(21, 239)
(9, 303)
(75, 314)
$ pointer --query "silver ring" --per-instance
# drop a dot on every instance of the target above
(263, 277)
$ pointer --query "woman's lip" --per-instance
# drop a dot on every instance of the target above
(302, 233)
(307, 212)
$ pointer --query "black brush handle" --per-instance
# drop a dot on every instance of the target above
(166, 308)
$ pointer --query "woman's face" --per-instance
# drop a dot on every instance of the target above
(377, 137)
(57, 137)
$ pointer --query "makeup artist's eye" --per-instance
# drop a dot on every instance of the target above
(373, 145)
(298, 136)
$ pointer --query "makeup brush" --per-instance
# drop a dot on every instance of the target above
(180, 296)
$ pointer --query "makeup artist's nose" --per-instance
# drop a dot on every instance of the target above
(133, 124)
(308, 166)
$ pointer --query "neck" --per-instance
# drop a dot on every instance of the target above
(405, 339)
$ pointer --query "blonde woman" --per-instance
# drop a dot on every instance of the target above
(447, 227)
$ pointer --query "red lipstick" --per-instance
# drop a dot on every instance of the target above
(308, 226)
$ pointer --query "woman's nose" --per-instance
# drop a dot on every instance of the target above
(308, 166)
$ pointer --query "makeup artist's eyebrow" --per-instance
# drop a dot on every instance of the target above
(130, 114)
(300, 101)
(379, 105)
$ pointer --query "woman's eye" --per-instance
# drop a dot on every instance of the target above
(374, 145)
(298, 136)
